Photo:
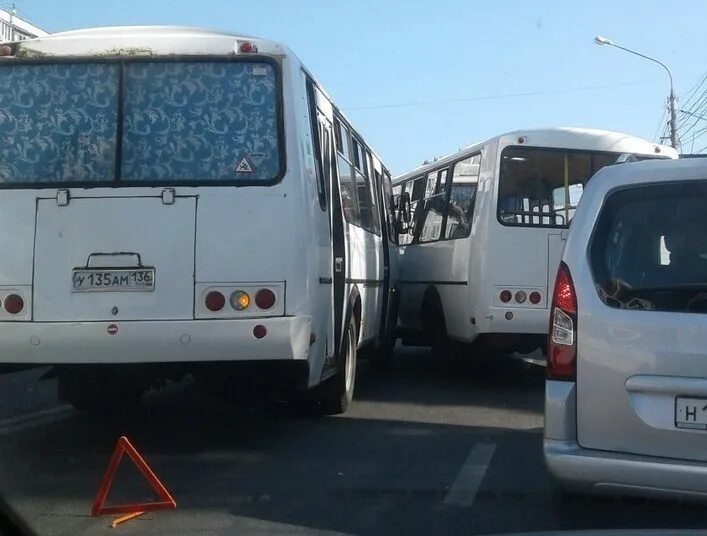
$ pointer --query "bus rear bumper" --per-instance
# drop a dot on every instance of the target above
(286, 338)
(515, 320)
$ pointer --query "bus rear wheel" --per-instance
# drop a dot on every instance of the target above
(334, 396)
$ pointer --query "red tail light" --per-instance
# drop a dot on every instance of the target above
(562, 343)
(14, 304)
(506, 296)
(535, 297)
(265, 298)
(247, 47)
(215, 301)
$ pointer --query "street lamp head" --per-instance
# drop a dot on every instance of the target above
(601, 40)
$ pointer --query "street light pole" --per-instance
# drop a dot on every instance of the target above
(599, 40)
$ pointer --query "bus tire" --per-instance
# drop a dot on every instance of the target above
(96, 393)
(335, 395)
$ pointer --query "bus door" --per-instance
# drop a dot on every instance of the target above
(389, 319)
(330, 200)
(338, 236)
(336, 227)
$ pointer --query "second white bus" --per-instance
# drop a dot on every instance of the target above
(480, 233)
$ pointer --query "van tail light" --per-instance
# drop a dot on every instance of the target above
(562, 343)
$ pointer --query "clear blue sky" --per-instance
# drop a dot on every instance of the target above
(379, 52)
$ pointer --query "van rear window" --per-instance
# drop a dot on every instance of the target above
(649, 248)
(169, 122)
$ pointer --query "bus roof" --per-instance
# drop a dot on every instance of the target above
(142, 41)
(153, 41)
(558, 137)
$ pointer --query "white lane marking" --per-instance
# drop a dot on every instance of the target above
(465, 486)
(36, 418)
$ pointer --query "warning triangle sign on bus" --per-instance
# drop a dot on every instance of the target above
(244, 166)
(124, 446)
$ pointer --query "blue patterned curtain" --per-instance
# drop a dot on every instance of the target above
(58, 122)
(206, 121)
(183, 121)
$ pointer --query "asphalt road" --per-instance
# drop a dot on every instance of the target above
(422, 451)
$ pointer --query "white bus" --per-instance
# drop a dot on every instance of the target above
(480, 233)
(174, 201)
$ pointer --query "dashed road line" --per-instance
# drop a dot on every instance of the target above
(468, 480)
(36, 418)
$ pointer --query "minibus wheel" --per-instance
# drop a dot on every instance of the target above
(334, 396)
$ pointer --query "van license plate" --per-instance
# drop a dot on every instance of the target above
(116, 280)
(691, 413)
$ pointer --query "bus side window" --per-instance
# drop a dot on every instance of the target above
(373, 182)
(462, 197)
(410, 188)
(349, 201)
(391, 195)
(434, 206)
(364, 192)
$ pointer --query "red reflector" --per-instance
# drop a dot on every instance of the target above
(14, 304)
(259, 331)
(535, 297)
(112, 329)
(215, 301)
(506, 296)
(265, 298)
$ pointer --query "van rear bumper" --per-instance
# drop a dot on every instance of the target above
(287, 338)
(586, 470)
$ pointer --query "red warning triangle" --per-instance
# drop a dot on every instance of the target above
(124, 446)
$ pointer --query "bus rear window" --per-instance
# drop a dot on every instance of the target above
(541, 187)
(649, 251)
(58, 122)
(181, 121)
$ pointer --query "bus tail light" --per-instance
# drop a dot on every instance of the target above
(246, 47)
(214, 301)
(14, 304)
(265, 298)
(240, 300)
(521, 296)
(259, 331)
(562, 344)
(506, 296)
(535, 297)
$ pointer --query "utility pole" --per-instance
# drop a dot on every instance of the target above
(672, 124)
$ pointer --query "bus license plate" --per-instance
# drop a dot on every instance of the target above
(691, 413)
(121, 279)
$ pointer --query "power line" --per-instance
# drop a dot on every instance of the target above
(693, 90)
(491, 97)
(661, 124)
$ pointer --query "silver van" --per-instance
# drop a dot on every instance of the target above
(626, 390)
